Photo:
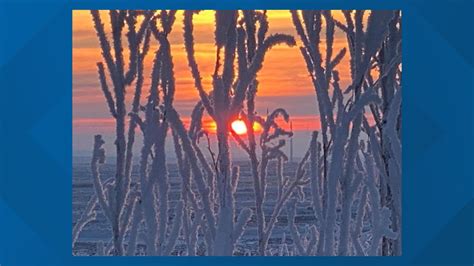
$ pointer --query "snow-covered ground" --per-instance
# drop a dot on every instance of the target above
(100, 230)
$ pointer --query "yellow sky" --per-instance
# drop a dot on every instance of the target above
(283, 81)
(284, 71)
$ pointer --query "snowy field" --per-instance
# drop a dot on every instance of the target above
(100, 230)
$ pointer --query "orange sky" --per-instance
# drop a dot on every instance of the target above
(283, 81)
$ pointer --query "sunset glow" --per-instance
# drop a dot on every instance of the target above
(239, 127)
(283, 81)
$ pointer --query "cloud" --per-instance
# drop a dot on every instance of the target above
(283, 82)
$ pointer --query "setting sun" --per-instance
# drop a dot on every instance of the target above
(239, 127)
(223, 107)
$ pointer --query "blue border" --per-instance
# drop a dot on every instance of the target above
(36, 131)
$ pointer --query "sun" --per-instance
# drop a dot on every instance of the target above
(239, 127)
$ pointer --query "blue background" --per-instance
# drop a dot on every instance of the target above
(36, 131)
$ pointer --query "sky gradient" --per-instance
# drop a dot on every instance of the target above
(283, 81)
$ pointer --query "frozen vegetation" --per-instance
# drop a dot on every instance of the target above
(343, 197)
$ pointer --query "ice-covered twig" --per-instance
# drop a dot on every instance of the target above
(356, 230)
(175, 121)
(175, 229)
(189, 44)
(239, 227)
(87, 216)
(98, 157)
(380, 215)
(137, 218)
(105, 89)
(297, 181)
(291, 213)
(315, 178)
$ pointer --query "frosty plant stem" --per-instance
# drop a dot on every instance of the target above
(225, 104)
(353, 161)
(364, 46)
(121, 79)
